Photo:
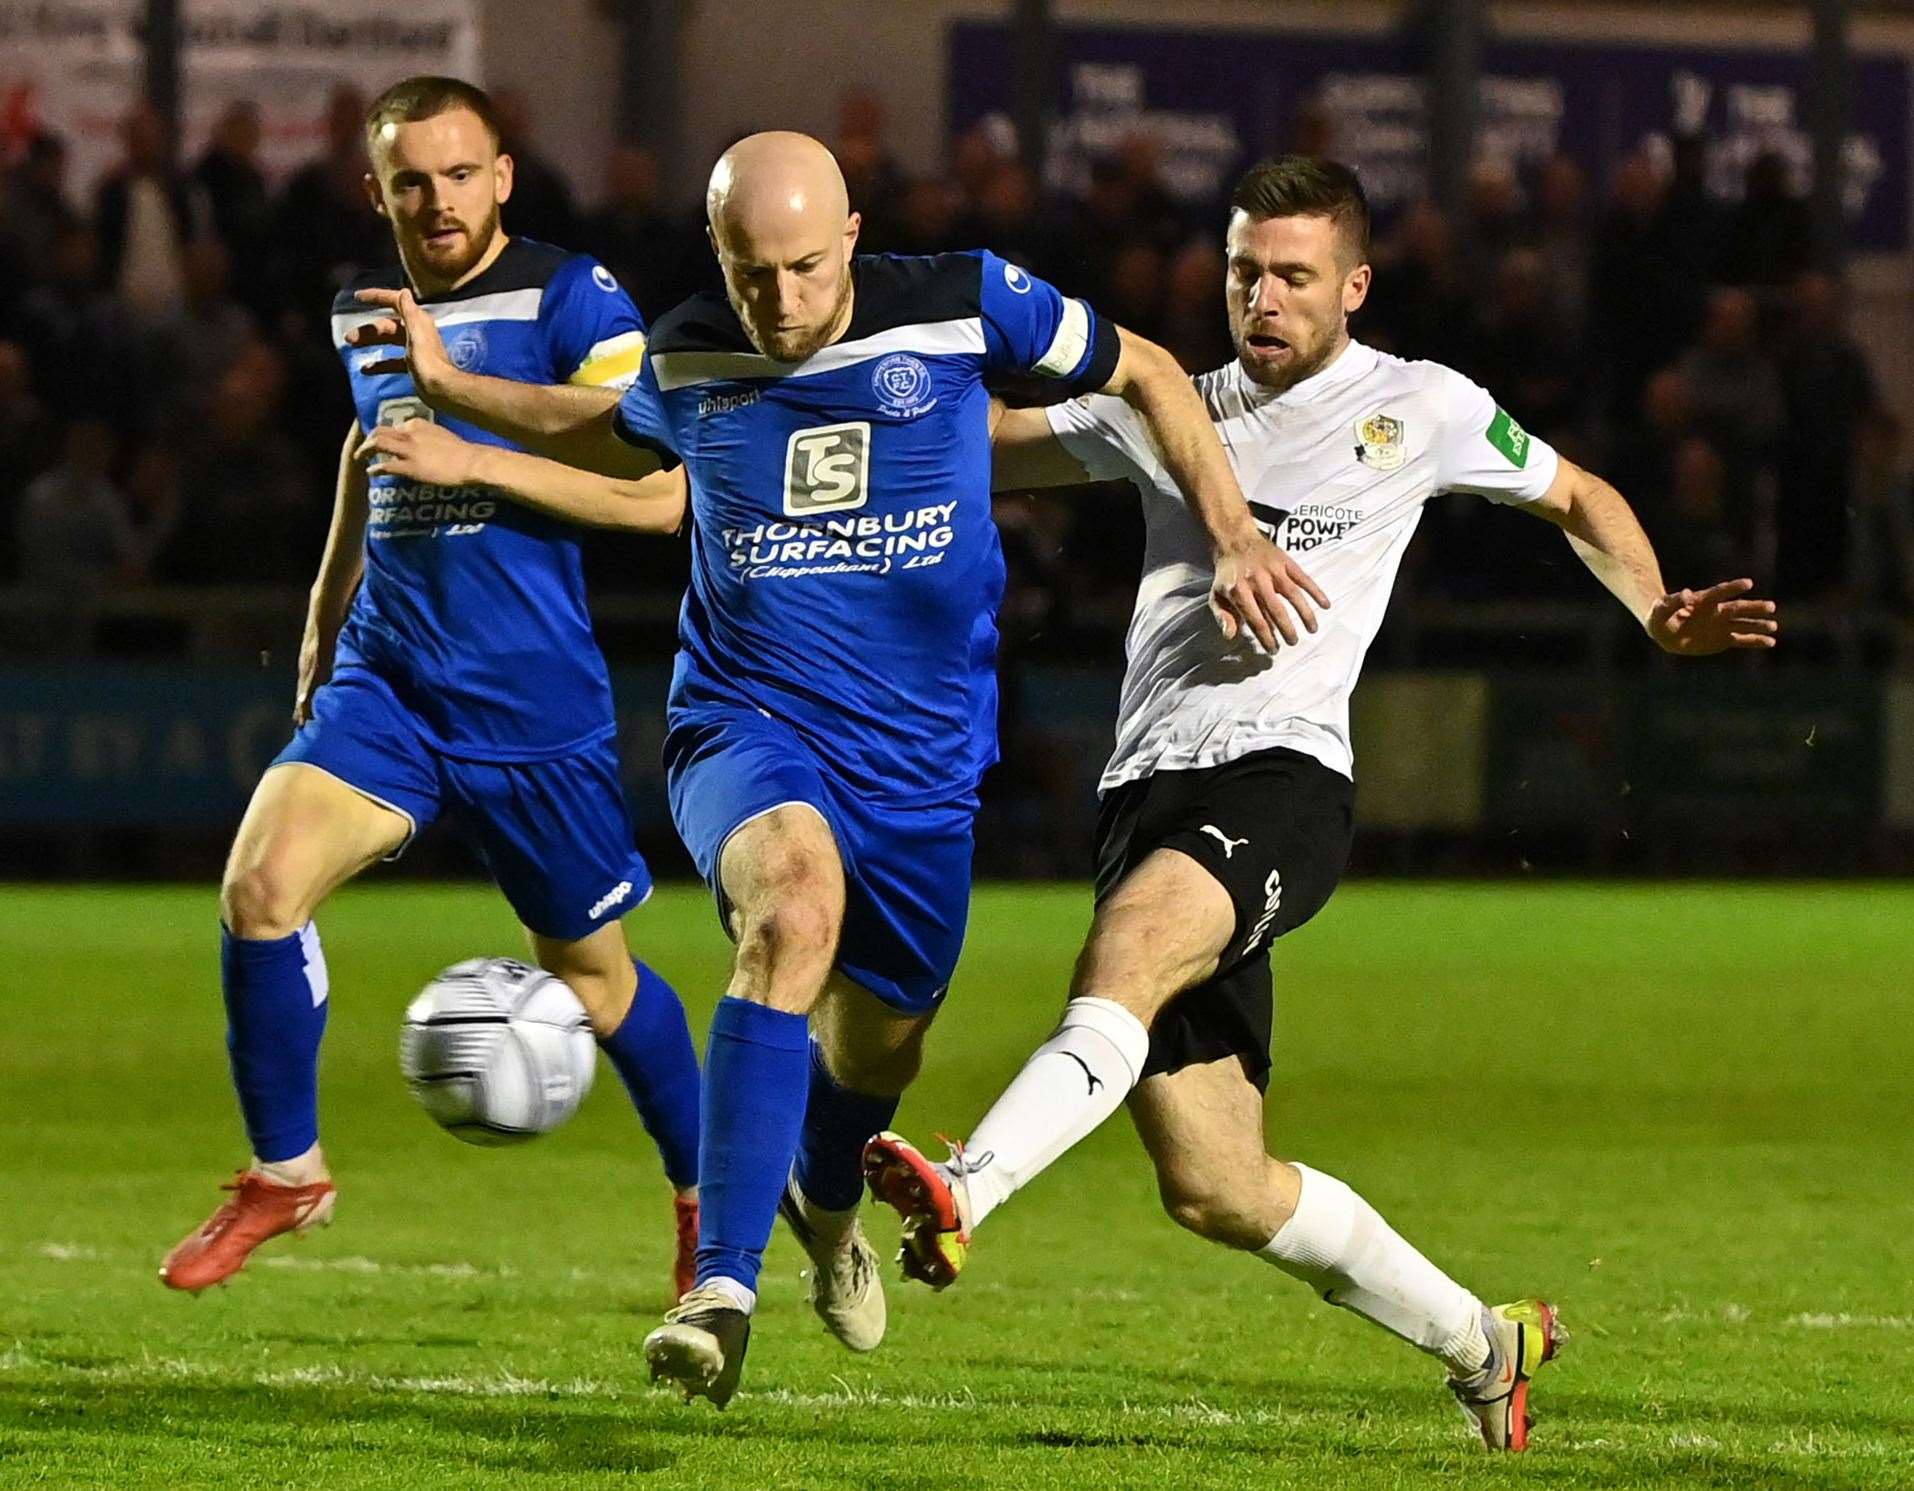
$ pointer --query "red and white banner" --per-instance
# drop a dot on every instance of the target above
(74, 67)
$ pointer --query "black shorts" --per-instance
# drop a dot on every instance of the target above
(1274, 829)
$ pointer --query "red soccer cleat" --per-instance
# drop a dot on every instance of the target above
(258, 1212)
(684, 1267)
(933, 1201)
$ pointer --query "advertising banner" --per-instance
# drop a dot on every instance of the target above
(1214, 100)
(73, 66)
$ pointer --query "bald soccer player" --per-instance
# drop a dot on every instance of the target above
(834, 703)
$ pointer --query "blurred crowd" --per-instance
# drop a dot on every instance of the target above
(171, 407)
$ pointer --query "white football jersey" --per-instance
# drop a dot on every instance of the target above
(1336, 470)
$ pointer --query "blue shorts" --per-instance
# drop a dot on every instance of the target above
(906, 871)
(555, 834)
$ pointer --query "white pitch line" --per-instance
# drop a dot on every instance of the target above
(1820, 1322)
(353, 1264)
(506, 1384)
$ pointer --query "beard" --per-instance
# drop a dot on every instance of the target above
(793, 346)
(478, 241)
(1282, 379)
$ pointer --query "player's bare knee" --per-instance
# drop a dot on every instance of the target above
(259, 902)
(785, 948)
(1207, 1203)
(1119, 964)
(607, 1000)
(875, 1067)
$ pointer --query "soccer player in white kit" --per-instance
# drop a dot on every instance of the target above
(1226, 808)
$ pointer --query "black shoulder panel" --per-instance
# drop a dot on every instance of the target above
(905, 290)
(704, 323)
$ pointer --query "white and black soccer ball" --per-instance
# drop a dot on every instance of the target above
(497, 1051)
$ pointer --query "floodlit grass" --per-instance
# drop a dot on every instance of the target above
(1683, 1111)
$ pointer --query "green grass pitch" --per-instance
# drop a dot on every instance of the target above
(1683, 1111)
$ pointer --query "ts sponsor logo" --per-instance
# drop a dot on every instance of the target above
(827, 469)
(398, 411)
(610, 899)
(902, 385)
(410, 509)
(1272, 903)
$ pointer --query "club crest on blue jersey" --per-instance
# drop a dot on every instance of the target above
(902, 385)
(466, 350)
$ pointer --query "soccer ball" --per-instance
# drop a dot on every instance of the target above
(497, 1051)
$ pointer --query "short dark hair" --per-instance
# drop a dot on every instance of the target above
(426, 97)
(1306, 186)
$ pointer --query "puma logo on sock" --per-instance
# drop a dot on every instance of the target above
(1095, 1080)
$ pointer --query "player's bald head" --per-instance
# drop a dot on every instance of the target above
(769, 184)
(782, 224)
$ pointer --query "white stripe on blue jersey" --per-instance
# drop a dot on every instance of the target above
(506, 305)
(926, 338)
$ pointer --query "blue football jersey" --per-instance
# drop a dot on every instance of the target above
(845, 571)
(473, 608)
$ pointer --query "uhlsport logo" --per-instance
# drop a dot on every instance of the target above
(827, 469)
(902, 385)
(1016, 279)
(610, 899)
(603, 279)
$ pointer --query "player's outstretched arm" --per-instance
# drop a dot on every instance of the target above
(567, 422)
(1257, 585)
(1025, 453)
(1604, 532)
(419, 450)
(340, 567)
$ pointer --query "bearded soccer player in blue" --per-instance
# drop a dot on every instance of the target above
(448, 665)
(834, 702)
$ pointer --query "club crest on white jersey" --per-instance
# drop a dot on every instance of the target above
(1379, 442)
(1336, 469)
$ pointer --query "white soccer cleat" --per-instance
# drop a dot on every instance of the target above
(845, 1288)
(1521, 1337)
(701, 1345)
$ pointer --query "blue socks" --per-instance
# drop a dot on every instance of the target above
(837, 1121)
(275, 1015)
(653, 1056)
(756, 1067)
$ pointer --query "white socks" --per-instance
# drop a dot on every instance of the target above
(1074, 1081)
(830, 1229)
(741, 1297)
(1339, 1245)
